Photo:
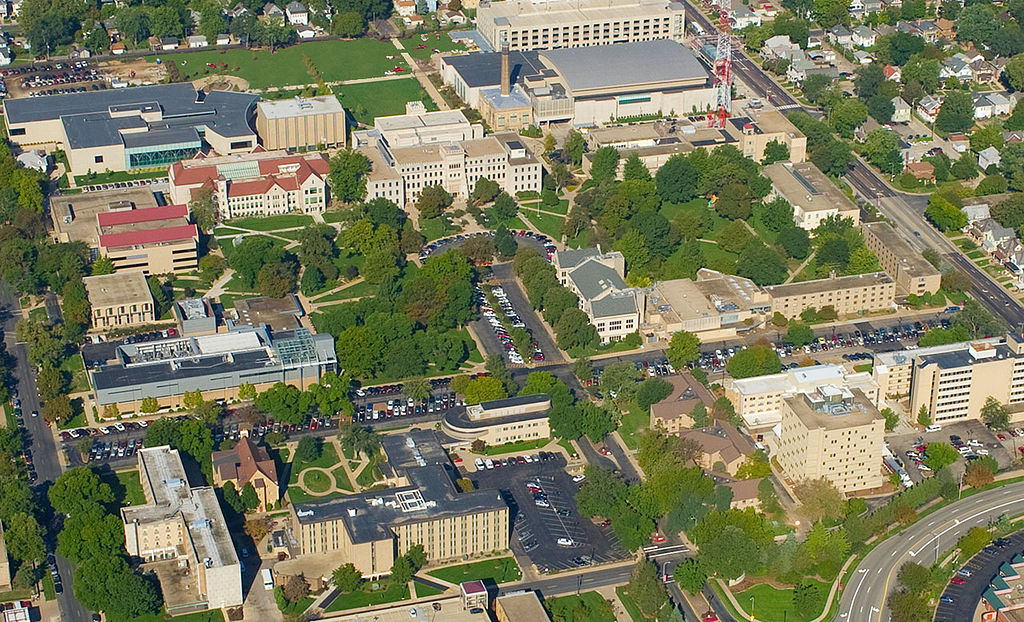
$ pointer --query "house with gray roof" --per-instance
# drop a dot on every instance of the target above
(989, 156)
(840, 35)
(863, 37)
(597, 279)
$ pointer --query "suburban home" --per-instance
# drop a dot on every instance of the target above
(984, 71)
(928, 108)
(779, 46)
(958, 66)
(928, 29)
(1014, 136)
(959, 141)
(6, 57)
(305, 32)
(197, 41)
(840, 35)
(856, 9)
(900, 110)
(237, 11)
(272, 11)
(863, 37)
(297, 14)
(798, 69)
(982, 106)
(413, 20)
(872, 6)
(815, 39)
(455, 17)
(924, 171)
(892, 73)
(946, 28)
(742, 17)
(987, 157)
(405, 8)
(976, 212)
(863, 58)
(1002, 104)
(989, 234)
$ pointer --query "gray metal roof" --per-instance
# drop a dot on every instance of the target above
(592, 279)
(483, 68)
(613, 305)
(625, 64)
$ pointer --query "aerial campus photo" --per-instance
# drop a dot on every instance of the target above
(512, 311)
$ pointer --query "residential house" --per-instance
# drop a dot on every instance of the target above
(929, 106)
(863, 58)
(982, 106)
(815, 39)
(946, 28)
(922, 170)
(742, 17)
(872, 6)
(779, 46)
(984, 71)
(117, 48)
(799, 68)
(900, 110)
(928, 29)
(405, 8)
(856, 9)
(6, 57)
(840, 35)
(272, 11)
(1002, 104)
(892, 73)
(297, 14)
(238, 11)
(976, 212)
(989, 234)
(988, 156)
(958, 66)
(248, 463)
(305, 32)
(1014, 136)
(223, 39)
(863, 37)
(168, 43)
(959, 141)
(197, 41)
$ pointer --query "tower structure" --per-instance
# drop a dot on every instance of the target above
(723, 66)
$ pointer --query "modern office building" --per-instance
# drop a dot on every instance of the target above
(894, 371)
(134, 128)
(848, 295)
(216, 365)
(713, 306)
(597, 279)
(301, 123)
(181, 534)
(399, 174)
(540, 24)
(371, 529)
(585, 86)
(509, 420)
(194, 316)
(833, 433)
(248, 464)
(813, 195)
(119, 300)
(154, 240)
(260, 183)
(913, 273)
(758, 400)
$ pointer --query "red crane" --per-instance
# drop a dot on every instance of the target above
(723, 66)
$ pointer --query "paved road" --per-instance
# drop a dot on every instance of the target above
(863, 598)
(504, 274)
(983, 567)
(40, 439)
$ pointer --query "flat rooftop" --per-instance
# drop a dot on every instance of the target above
(416, 448)
(121, 288)
(626, 65)
(963, 357)
(431, 495)
(446, 610)
(910, 259)
(680, 300)
(437, 118)
(484, 68)
(74, 215)
(855, 410)
(276, 313)
(805, 288)
(300, 107)
(904, 357)
(729, 292)
(804, 185)
(523, 605)
(523, 14)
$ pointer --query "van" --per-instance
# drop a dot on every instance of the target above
(933, 428)
(268, 579)
(479, 464)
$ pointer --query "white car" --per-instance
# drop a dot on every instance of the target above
(579, 478)
(479, 464)
(923, 467)
(981, 452)
(541, 503)
(119, 426)
(489, 464)
(565, 542)
(974, 443)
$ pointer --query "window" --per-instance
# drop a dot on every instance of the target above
(17, 131)
(98, 159)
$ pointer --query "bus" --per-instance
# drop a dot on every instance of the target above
(268, 579)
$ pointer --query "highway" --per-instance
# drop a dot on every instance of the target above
(864, 594)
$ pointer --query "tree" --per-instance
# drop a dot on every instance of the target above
(1010, 211)
(634, 169)
(939, 455)
(348, 24)
(504, 242)
(652, 391)
(799, 334)
(891, 419)
(882, 147)
(995, 415)
(102, 265)
(647, 589)
(485, 389)
(820, 499)
(914, 577)
(485, 190)
(618, 380)
(308, 449)
(505, 207)
(77, 490)
(432, 202)
(755, 466)
(762, 265)
(795, 241)
(604, 163)
(574, 330)
(869, 78)
(347, 578)
(295, 588)
(956, 114)
(757, 360)
(978, 475)
(735, 236)
(24, 538)
(676, 180)
(691, 575)
(775, 151)
(776, 214)
(58, 409)
(846, 115)
(417, 389)
(944, 215)
(976, 320)
(107, 584)
(683, 348)
(734, 202)
(924, 416)
(574, 147)
(348, 169)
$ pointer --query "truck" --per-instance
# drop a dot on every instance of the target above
(268, 579)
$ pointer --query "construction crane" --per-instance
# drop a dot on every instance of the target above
(723, 66)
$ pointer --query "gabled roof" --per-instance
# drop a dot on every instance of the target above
(149, 236)
(146, 214)
(243, 461)
(593, 278)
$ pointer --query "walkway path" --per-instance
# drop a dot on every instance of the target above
(422, 77)
(801, 267)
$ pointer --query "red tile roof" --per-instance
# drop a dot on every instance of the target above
(243, 461)
(146, 214)
(259, 187)
(307, 165)
(149, 236)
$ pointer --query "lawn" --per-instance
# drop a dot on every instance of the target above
(766, 234)
(508, 448)
(221, 232)
(78, 421)
(341, 479)
(333, 217)
(718, 258)
(369, 475)
(272, 223)
(586, 607)
(634, 610)
(548, 224)
(366, 598)
(328, 458)
(700, 208)
(976, 254)
(422, 590)
(862, 367)
(774, 605)
(336, 60)
(439, 41)
(630, 425)
(512, 223)
(132, 485)
(358, 290)
(214, 615)
(317, 481)
(75, 366)
(297, 608)
(566, 444)
(236, 285)
(367, 100)
(501, 570)
(436, 228)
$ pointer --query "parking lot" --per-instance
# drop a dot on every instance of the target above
(502, 318)
(524, 238)
(977, 439)
(961, 596)
(547, 530)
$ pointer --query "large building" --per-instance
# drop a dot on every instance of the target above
(540, 24)
(713, 306)
(134, 128)
(509, 420)
(248, 464)
(848, 295)
(894, 371)
(587, 86)
(673, 414)
(813, 195)
(832, 433)
(181, 534)
(215, 365)
(419, 127)
(372, 529)
(758, 400)
(597, 279)
(261, 183)
(155, 240)
(119, 300)
(399, 174)
(301, 123)
(912, 272)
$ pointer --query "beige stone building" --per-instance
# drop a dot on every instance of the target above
(520, 418)
(832, 433)
(893, 371)
(248, 463)
(420, 127)
(301, 123)
(181, 534)
(597, 279)
(759, 127)
(672, 414)
(713, 307)
(155, 240)
(119, 300)
(912, 272)
(720, 444)
(745, 494)
(569, 24)
(519, 607)
(848, 295)
(261, 183)
(813, 195)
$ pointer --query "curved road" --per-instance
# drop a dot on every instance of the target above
(863, 598)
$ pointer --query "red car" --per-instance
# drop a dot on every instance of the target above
(957, 581)
(1001, 437)
(657, 538)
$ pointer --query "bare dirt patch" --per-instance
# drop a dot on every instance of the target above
(134, 71)
(221, 83)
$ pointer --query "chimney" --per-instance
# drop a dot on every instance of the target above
(505, 75)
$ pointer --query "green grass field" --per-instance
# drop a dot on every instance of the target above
(201, 616)
(587, 607)
(360, 289)
(501, 570)
(719, 259)
(328, 458)
(341, 479)
(365, 598)
(317, 481)
(112, 177)
(133, 494)
(437, 41)
(379, 99)
(774, 605)
(435, 228)
(75, 366)
(336, 60)
(700, 208)
(368, 476)
(272, 223)
(548, 224)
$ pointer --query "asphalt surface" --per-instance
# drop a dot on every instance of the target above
(40, 442)
(504, 275)
(864, 595)
(983, 568)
